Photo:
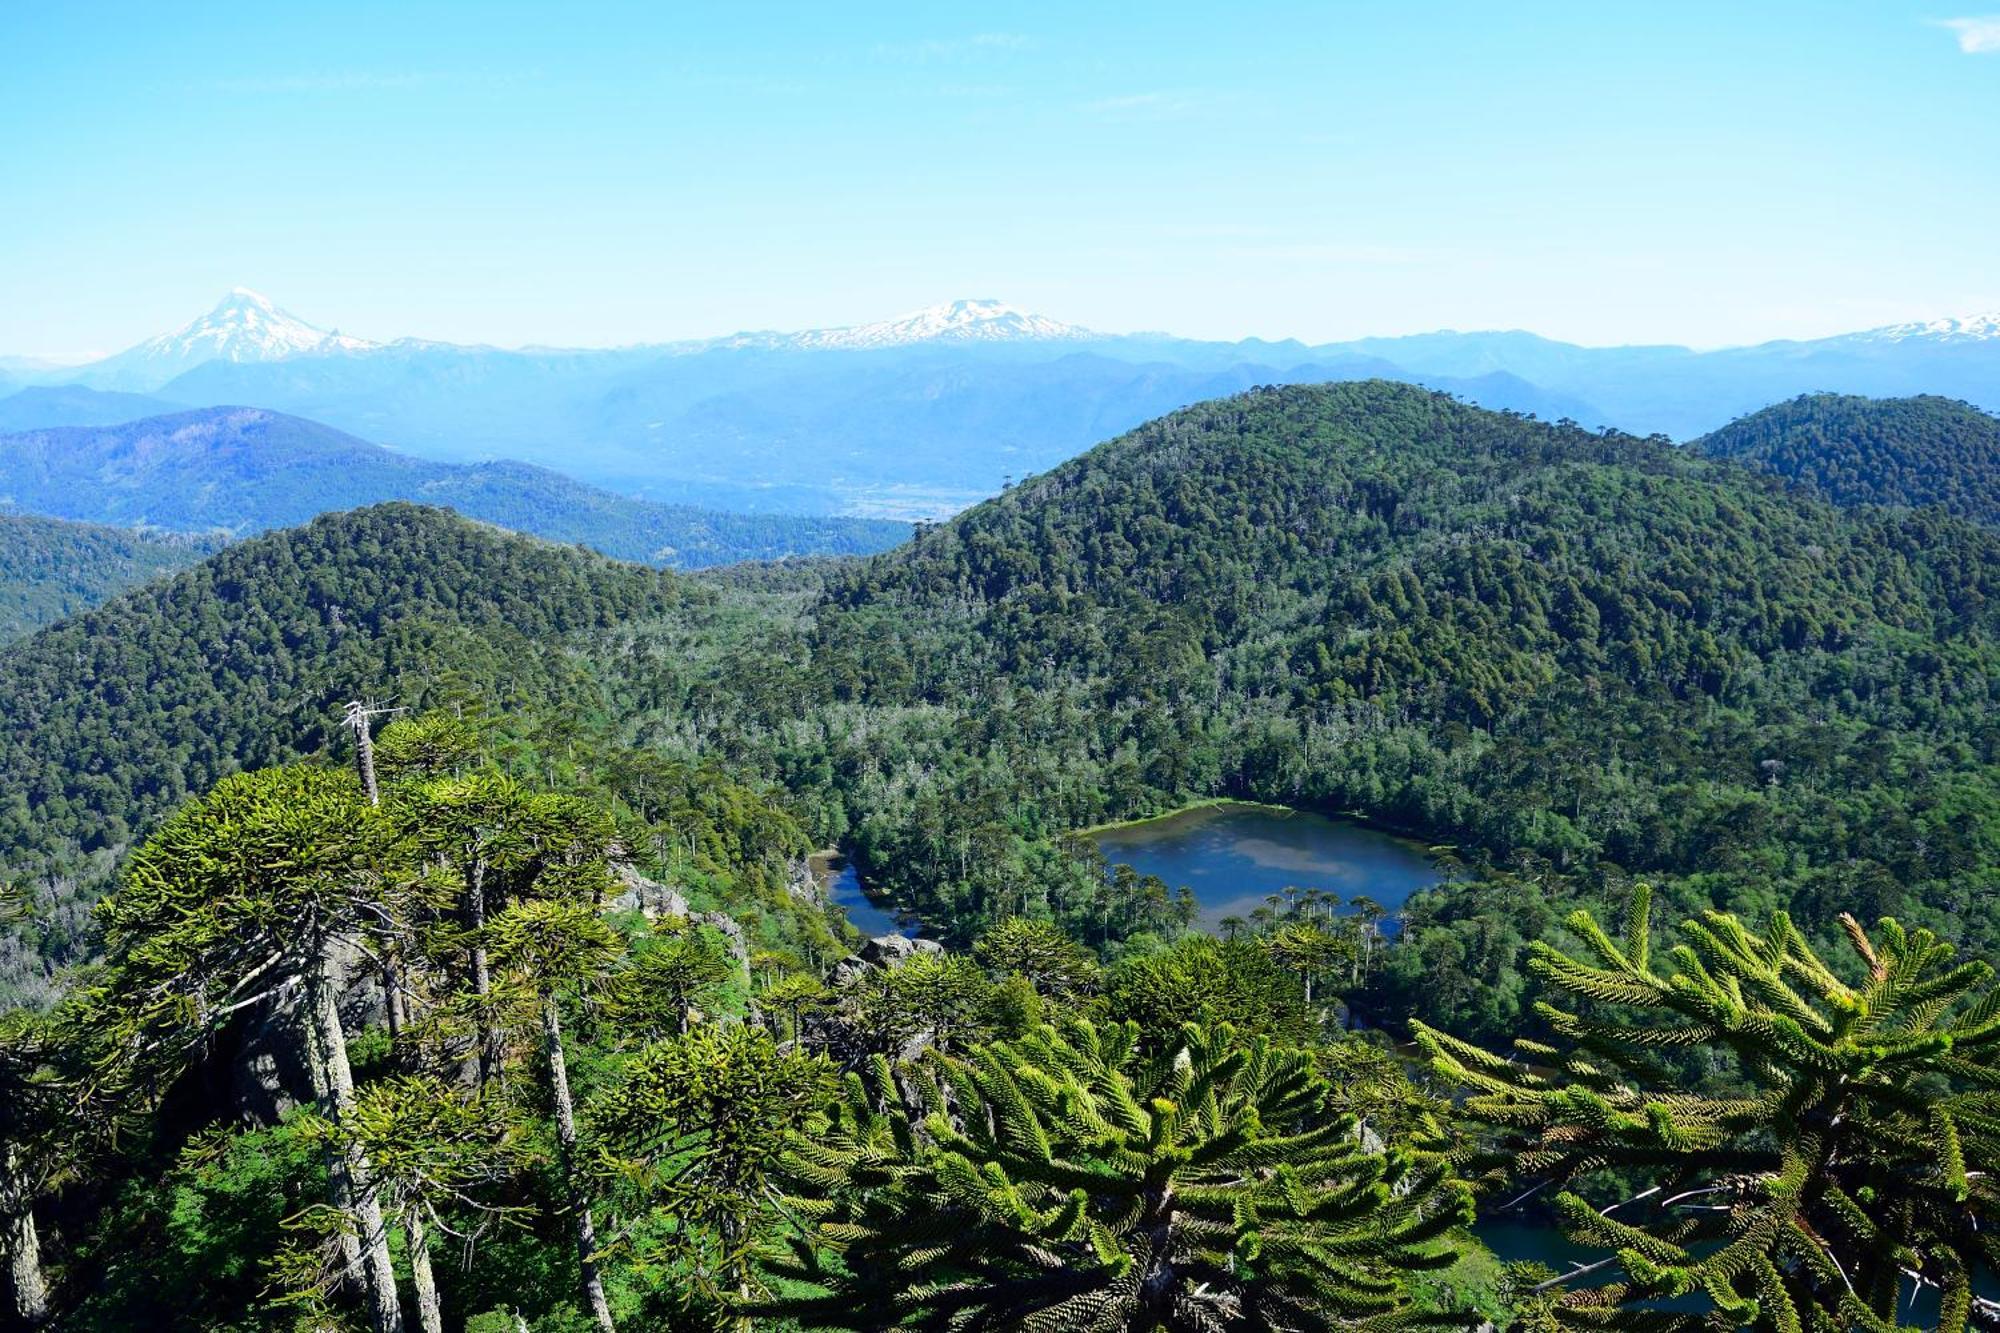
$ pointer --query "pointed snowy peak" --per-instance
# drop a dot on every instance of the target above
(244, 326)
(247, 326)
(1957, 328)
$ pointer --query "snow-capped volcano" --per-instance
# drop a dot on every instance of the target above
(243, 326)
(953, 322)
(1961, 328)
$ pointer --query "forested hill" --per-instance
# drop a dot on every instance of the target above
(50, 569)
(245, 470)
(1576, 657)
(1883, 451)
(1430, 556)
(114, 716)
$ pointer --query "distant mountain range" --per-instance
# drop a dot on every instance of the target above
(920, 415)
(236, 471)
(43, 406)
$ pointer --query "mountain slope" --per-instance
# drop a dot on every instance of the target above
(1289, 508)
(245, 470)
(953, 322)
(958, 321)
(112, 717)
(1683, 392)
(1982, 327)
(44, 406)
(50, 568)
(1902, 451)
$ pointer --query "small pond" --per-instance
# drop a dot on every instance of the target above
(1234, 855)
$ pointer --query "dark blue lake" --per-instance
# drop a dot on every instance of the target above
(1233, 856)
(845, 890)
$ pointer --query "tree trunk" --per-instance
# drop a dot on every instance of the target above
(430, 1318)
(482, 971)
(327, 1047)
(364, 749)
(393, 999)
(24, 1248)
(586, 1230)
(336, 1167)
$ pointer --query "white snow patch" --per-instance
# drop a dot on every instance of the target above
(954, 321)
(1958, 328)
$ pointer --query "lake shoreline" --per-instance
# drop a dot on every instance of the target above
(841, 886)
(1356, 817)
(1205, 803)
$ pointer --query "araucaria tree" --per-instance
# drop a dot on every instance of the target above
(1063, 1181)
(34, 1108)
(64, 1102)
(436, 1152)
(1854, 1157)
(267, 888)
(551, 949)
(502, 843)
(699, 1125)
(1053, 963)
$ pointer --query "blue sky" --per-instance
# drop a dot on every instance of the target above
(602, 174)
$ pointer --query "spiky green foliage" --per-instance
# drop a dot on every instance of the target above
(697, 1127)
(427, 745)
(1064, 1181)
(1854, 1158)
(485, 842)
(436, 1148)
(1213, 981)
(1367, 1078)
(1307, 950)
(795, 994)
(440, 1156)
(554, 946)
(942, 1000)
(683, 969)
(237, 896)
(509, 841)
(1053, 963)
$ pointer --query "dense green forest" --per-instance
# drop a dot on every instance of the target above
(115, 716)
(1572, 657)
(243, 470)
(1880, 451)
(1606, 679)
(519, 1030)
(50, 569)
